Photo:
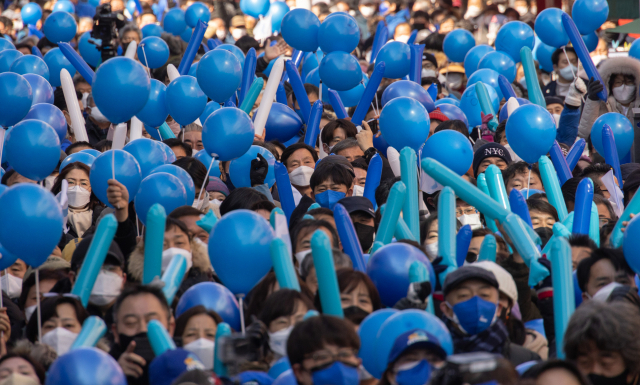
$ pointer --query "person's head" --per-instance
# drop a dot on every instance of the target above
(429, 234)
(402, 32)
(360, 168)
(436, 118)
(237, 27)
(78, 146)
(477, 237)
(189, 216)
(455, 125)
(298, 155)
(382, 192)
(330, 182)
(517, 176)
(500, 135)
(29, 296)
(596, 172)
(413, 356)
(134, 308)
(23, 364)
(335, 131)
(241, 198)
(623, 87)
(488, 154)
(555, 105)
(192, 136)
(606, 214)
(195, 324)
(129, 33)
(12, 177)
(581, 247)
(565, 65)
(362, 215)
(629, 188)
(358, 294)
(506, 285)
(217, 189)
(303, 231)
(542, 213)
(179, 148)
(147, 18)
(79, 191)
(348, 148)
(308, 270)
(196, 170)
(603, 267)
(555, 372)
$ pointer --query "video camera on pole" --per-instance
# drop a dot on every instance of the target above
(105, 29)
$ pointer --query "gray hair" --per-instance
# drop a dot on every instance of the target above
(340, 261)
(344, 145)
(192, 127)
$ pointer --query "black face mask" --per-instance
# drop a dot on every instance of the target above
(355, 314)
(620, 379)
(143, 349)
(545, 234)
(471, 257)
(419, 26)
(365, 236)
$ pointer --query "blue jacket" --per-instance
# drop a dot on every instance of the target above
(568, 127)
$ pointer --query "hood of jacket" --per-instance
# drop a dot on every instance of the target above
(619, 65)
(135, 266)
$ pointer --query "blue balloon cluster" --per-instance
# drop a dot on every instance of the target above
(51, 115)
(473, 57)
(56, 61)
(30, 64)
(500, 62)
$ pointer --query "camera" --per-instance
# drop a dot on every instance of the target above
(237, 350)
(105, 29)
(473, 368)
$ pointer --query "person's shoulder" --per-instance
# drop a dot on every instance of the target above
(517, 354)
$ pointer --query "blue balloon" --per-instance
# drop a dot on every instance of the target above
(31, 13)
(33, 149)
(51, 115)
(350, 98)
(240, 168)
(213, 296)
(127, 172)
(41, 89)
(489, 77)
(56, 61)
(542, 53)
(15, 98)
(186, 34)
(174, 21)
(227, 133)
(181, 174)
(120, 89)
(153, 52)
(634, 50)
(457, 43)
(30, 209)
(171, 156)
(404, 122)
(453, 112)
(197, 11)
(6, 258)
(151, 30)
(311, 61)
(91, 151)
(64, 6)
(7, 57)
(185, 100)
(155, 111)
(501, 63)
(82, 157)
(205, 159)
(531, 131)
(622, 133)
(286, 378)
(504, 112)
(208, 110)
(452, 101)
(152, 131)
(339, 33)
(591, 41)
(219, 74)
(340, 71)
(193, 70)
(246, 236)
(473, 57)
(60, 27)
(89, 51)
(282, 123)
(85, 366)
(277, 10)
(512, 37)
(148, 153)
(450, 148)
(234, 49)
(161, 188)
(367, 332)
(30, 64)
(589, 15)
(6, 44)
(255, 8)
(396, 56)
(300, 29)
(549, 28)
(409, 89)
(470, 105)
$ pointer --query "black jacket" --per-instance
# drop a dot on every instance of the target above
(517, 355)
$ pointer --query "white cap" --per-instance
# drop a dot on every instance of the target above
(506, 283)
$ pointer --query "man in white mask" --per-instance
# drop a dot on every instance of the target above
(555, 105)
(300, 161)
(97, 124)
(238, 28)
(467, 214)
(566, 69)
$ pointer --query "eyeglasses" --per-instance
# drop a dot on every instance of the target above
(466, 211)
(324, 356)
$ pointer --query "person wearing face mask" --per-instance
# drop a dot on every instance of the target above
(362, 215)
(217, 190)
(301, 233)
(196, 331)
(19, 365)
(566, 69)
(198, 173)
(455, 78)
(332, 181)
(96, 124)
(300, 160)
(602, 268)
(367, 8)
(402, 32)
(238, 27)
(341, 261)
(358, 295)
(555, 105)
(467, 214)
(219, 27)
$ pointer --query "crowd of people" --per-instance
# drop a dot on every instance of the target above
(484, 312)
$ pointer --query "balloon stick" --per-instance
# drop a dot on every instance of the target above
(337, 105)
(485, 104)
(447, 227)
(93, 328)
(368, 94)
(409, 176)
(283, 265)
(159, 338)
(582, 211)
(313, 128)
(248, 74)
(374, 172)
(575, 152)
(488, 249)
(560, 163)
(78, 63)
(298, 90)
(267, 96)
(380, 39)
(153, 243)
(349, 237)
(552, 187)
(284, 189)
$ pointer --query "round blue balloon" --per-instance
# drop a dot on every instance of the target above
(197, 11)
(453, 101)
(33, 149)
(241, 239)
(457, 43)
(82, 157)
(549, 28)
(512, 37)
(84, 366)
(367, 332)
(300, 29)
(120, 89)
(340, 71)
(630, 244)
(60, 27)
(634, 50)
(339, 33)
(504, 113)
(542, 53)
(409, 89)
(30, 209)
(41, 89)
(404, 122)
(213, 296)
(91, 151)
(6, 258)
(6, 44)
(589, 15)
(51, 115)
(151, 30)
(186, 34)
(350, 98)
(148, 153)
(591, 41)
(277, 10)
(159, 188)
(531, 131)
(153, 52)
(181, 174)
(56, 61)
(388, 268)
(64, 6)
(234, 49)
(205, 159)
(240, 168)
(255, 8)
(171, 156)
(193, 70)
(155, 111)
(453, 112)
(127, 172)
(88, 50)
(31, 13)
(208, 110)
(174, 21)
(473, 57)
(228, 133)
(450, 148)
(282, 123)
(310, 61)
(185, 100)
(622, 133)
(396, 56)
(15, 98)
(30, 64)
(381, 145)
(219, 74)
(501, 63)
(470, 105)
(7, 57)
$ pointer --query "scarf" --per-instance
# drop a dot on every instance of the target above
(490, 340)
(80, 220)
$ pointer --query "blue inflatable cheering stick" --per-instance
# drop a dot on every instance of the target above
(563, 298)
(519, 206)
(488, 249)
(349, 237)
(506, 88)
(610, 151)
(192, 47)
(368, 94)
(552, 187)
(380, 39)
(517, 231)
(153, 243)
(313, 125)
(409, 173)
(93, 328)
(284, 189)
(559, 230)
(582, 211)
(159, 338)
(560, 163)
(617, 235)
(575, 153)
(447, 227)
(415, 70)
(337, 105)
(173, 276)
(463, 240)
(248, 74)
(283, 265)
(78, 62)
(326, 273)
(298, 90)
(394, 204)
(374, 172)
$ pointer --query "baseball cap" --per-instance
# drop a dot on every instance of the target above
(466, 273)
(415, 339)
(171, 364)
(114, 255)
(362, 204)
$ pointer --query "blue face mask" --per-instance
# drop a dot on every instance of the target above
(474, 315)
(337, 373)
(329, 198)
(299, 112)
(417, 375)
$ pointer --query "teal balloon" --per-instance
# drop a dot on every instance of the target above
(151, 30)
(84, 366)
(60, 27)
(89, 51)
(56, 61)
(450, 148)
(42, 90)
(120, 89)
(30, 64)
(404, 122)
(153, 52)
(51, 115)
(397, 59)
(174, 21)
(15, 98)
(7, 57)
(590, 41)
(470, 105)
(340, 71)
(531, 131)
(185, 100)
(501, 63)
(277, 10)
(367, 332)
(512, 37)
(282, 124)
(181, 174)
(64, 6)
(234, 49)
(255, 8)
(240, 168)
(208, 110)
(155, 111)
(6, 44)
(31, 13)
(622, 133)
(473, 57)
(127, 172)
(30, 209)
(159, 188)
(227, 133)
(549, 28)
(148, 153)
(197, 11)
(457, 43)
(33, 149)
(219, 74)
(589, 15)
(82, 157)
(339, 33)
(300, 29)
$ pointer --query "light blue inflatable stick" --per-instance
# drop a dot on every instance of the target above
(368, 94)
(632, 208)
(224, 330)
(418, 273)
(337, 105)
(93, 328)
(159, 338)
(165, 132)
(559, 230)
(349, 237)
(488, 249)
(563, 297)
(208, 221)
(575, 153)
(273, 217)
(496, 186)
(283, 265)
(594, 224)
(153, 243)
(376, 245)
(284, 189)
(447, 227)
(95, 258)
(610, 151)
(313, 207)
(568, 221)
(309, 314)
(552, 187)
(584, 199)
(402, 230)
(486, 106)
(326, 273)
(252, 95)
(531, 77)
(374, 172)
(482, 185)
(516, 229)
(173, 276)
(394, 204)
(409, 176)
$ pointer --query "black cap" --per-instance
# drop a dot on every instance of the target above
(114, 255)
(466, 273)
(426, 56)
(489, 150)
(353, 204)
(554, 100)
(339, 159)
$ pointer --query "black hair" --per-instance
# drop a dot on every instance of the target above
(518, 168)
(312, 225)
(555, 56)
(500, 130)
(327, 131)
(263, 205)
(195, 168)
(429, 80)
(344, 145)
(59, 100)
(570, 187)
(601, 200)
(309, 89)
(269, 147)
(434, 42)
(382, 192)
(136, 289)
(43, 274)
(595, 171)
(283, 303)
(48, 309)
(279, 145)
(104, 145)
(181, 322)
(320, 211)
(286, 154)
(75, 145)
(7, 175)
(543, 207)
(337, 172)
(315, 333)
(184, 211)
(582, 240)
(256, 298)
(455, 125)
(360, 163)
(241, 198)
(175, 142)
(245, 43)
(57, 184)
(616, 257)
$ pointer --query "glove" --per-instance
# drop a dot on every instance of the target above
(593, 88)
(576, 91)
(416, 296)
(488, 123)
(259, 170)
(544, 288)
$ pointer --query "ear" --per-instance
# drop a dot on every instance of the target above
(72, 277)
(446, 310)
(124, 279)
(585, 297)
(67, 116)
(350, 191)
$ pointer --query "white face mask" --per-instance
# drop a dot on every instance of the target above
(60, 339)
(107, 287)
(432, 249)
(522, 10)
(300, 256)
(203, 349)
(367, 11)
(216, 202)
(454, 80)
(97, 115)
(28, 312)
(11, 285)
(278, 341)
(556, 117)
(202, 203)
(472, 11)
(78, 196)
(301, 176)
(429, 73)
(567, 72)
(221, 34)
(171, 252)
(472, 220)
(238, 33)
(598, 58)
(402, 38)
(624, 93)
(85, 97)
(49, 181)
(358, 191)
